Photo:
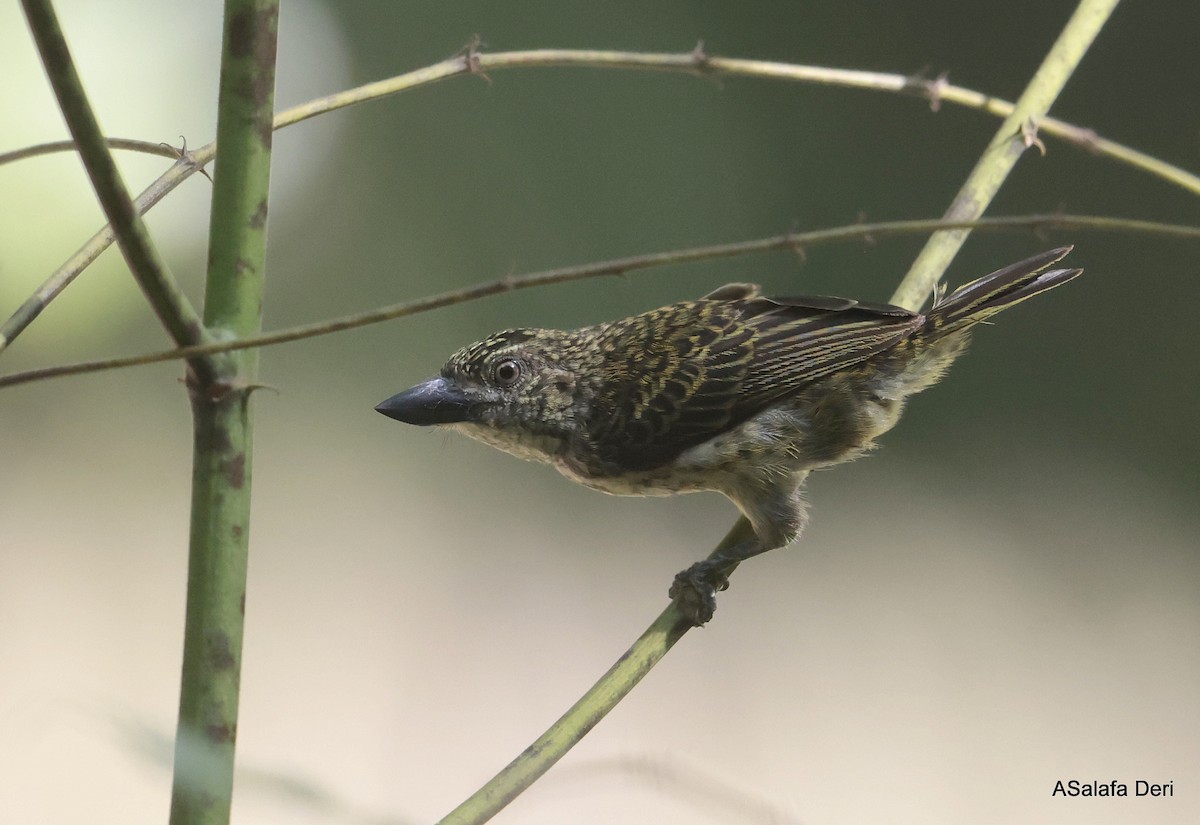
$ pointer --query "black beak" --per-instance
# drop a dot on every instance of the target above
(437, 401)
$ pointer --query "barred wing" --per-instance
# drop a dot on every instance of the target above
(676, 377)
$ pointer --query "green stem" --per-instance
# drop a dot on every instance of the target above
(145, 263)
(1016, 134)
(216, 597)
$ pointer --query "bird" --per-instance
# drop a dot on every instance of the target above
(734, 392)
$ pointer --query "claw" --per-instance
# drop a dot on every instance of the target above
(696, 588)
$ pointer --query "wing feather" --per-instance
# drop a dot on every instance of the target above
(677, 376)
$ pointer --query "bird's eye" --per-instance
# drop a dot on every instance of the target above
(507, 372)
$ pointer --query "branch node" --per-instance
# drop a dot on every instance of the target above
(470, 55)
(702, 64)
(936, 89)
(867, 237)
(211, 391)
(932, 90)
(183, 157)
(1041, 229)
(219, 389)
(1085, 138)
(797, 248)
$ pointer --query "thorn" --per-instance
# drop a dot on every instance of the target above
(936, 88)
(917, 83)
(470, 55)
(182, 155)
(1042, 229)
(796, 247)
(867, 237)
(249, 388)
(1029, 136)
(702, 63)
(1085, 138)
(220, 389)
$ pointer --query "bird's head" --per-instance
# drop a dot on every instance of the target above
(515, 390)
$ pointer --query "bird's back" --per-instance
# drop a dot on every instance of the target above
(675, 377)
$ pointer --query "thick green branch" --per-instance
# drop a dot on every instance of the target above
(147, 266)
(216, 596)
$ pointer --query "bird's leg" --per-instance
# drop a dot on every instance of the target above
(774, 516)
(696, 588)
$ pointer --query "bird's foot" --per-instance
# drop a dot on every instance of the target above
(696, 589)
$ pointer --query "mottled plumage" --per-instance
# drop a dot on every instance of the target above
(733, 392)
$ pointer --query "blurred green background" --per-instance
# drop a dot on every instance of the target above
(1004, 596)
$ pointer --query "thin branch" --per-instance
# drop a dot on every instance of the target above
(936, 91)
(1017, 133)
(147, 266)
(793, 241)
(186, 164)
(54, 146)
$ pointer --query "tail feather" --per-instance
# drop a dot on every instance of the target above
(943, 336)
(980, 299)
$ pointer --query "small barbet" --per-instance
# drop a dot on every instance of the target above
(734, 392)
